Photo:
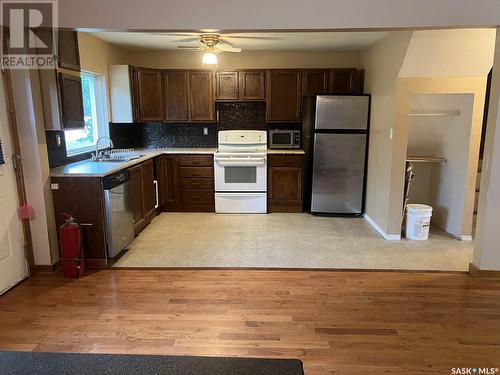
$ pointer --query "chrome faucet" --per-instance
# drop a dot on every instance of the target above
(98, 154)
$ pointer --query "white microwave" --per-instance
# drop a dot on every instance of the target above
(284, 138)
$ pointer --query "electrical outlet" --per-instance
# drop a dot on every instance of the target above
(205, 131)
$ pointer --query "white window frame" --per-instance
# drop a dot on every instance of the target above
(101, 114)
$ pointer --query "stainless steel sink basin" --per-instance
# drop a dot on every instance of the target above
(120, 160)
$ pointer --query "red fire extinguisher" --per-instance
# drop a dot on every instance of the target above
(71, 242)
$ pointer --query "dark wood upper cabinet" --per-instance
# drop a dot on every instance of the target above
(134, 92)
(252, 85)
(226, 86)
(150, 92)
(69, 55)
(284, 95)
(316, 81)
(201, 96)
(344, 81)
(176, 95)
(71, 99)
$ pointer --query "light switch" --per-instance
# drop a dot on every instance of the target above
(58, 140)
(54, 186)
(390, 133)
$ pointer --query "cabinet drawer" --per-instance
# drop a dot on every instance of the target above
(196, 171)
(197, 183)
(286, 160)
(197, 196)
(196, 161)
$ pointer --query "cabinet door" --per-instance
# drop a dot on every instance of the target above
(284, 96)
(176, 95)
(148, 190)
(285, 189)
(316, 81)
(134, 92)
(69, 55)
(344, 81)
(201, 95)
(172, 182)
(137, 201)
(161, 177)
(150, 94)
(252, 85)
(88, 209)
(70, 92)
(226, 86)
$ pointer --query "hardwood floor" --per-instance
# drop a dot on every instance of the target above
(335, 322)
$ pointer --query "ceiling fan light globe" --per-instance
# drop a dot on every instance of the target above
(209, 58)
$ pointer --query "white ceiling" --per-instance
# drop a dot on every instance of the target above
(283, 41)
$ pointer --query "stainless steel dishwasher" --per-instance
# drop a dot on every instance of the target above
(118, 211)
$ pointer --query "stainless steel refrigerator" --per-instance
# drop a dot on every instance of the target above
(339, 158)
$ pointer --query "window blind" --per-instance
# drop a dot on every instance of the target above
(2, 161)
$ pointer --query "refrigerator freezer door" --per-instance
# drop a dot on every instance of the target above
(338, 173)
(342, 112)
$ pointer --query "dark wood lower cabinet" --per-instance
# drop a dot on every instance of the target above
(137, 202)
(285, 183)
(143, 194)
(189, 183)
(148, 191)
(82, 198)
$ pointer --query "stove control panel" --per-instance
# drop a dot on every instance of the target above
(242, 137)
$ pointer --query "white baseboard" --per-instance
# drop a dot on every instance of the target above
(388, 237)
(466, 238)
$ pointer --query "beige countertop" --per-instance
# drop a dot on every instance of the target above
(89, 168)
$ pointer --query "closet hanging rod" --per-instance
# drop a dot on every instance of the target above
(452, 113)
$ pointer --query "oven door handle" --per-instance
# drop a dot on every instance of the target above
(228, 161)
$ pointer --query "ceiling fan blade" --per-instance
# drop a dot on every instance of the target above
(227, 47)
(191, 48)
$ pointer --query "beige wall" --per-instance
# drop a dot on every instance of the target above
(96, 55)
(449, 53)
(487, 240)
(245, 59)
(382, 63)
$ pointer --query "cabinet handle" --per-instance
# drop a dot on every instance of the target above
(325, 84)
(195, 162)
(196, 184)
(157, 201)
(196, 197)
(195, 174)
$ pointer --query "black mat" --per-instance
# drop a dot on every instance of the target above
(75, 363)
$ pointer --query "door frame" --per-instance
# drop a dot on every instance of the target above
(18, 170)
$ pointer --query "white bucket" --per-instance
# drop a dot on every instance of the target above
(418, 221)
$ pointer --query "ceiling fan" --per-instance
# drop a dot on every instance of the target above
(211, 44)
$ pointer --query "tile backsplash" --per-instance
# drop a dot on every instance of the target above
(231, 116)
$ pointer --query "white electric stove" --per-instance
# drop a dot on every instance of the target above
(240, 167)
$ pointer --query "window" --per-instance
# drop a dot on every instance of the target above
(95, 115)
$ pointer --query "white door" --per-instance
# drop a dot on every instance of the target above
(13, 266)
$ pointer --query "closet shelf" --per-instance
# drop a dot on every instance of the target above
(425, 159)
(452, 113)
